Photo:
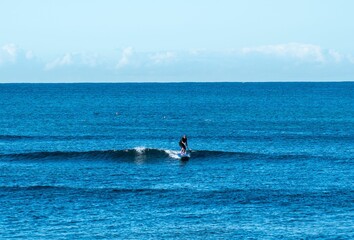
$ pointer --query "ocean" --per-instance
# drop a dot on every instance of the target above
(99, 161)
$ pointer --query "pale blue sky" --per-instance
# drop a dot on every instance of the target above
(117, 30)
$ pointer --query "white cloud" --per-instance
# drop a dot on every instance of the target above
(61, 61)
(9, 53)
(163, 57)
(74, 59)
(10, 49)
(125, 58)
(303, 61)
(197, 51)
(294, 50)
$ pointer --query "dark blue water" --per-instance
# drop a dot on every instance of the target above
(269, 161)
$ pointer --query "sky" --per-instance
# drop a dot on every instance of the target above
(176, 40)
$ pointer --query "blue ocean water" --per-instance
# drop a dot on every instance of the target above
(269, 161)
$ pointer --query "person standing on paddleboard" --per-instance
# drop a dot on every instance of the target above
(183, 144)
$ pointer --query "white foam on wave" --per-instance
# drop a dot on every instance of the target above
(172, 154)
(140, 150)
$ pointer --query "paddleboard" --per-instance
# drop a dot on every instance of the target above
(184, 156)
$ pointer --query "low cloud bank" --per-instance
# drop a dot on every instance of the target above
(283, 62)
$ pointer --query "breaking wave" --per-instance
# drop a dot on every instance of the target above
(146, 154)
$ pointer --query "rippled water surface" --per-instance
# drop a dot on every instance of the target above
(269, 161)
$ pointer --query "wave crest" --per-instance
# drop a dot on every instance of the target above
(127, 154)
(142, 154)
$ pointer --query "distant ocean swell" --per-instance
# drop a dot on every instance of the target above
(49, 137)
(258, 137)
(343, 197)
(150, 154)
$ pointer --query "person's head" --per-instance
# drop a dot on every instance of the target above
(185, 136)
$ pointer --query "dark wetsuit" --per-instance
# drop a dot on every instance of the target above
(183, 143)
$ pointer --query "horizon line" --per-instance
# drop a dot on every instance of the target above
(163, 82)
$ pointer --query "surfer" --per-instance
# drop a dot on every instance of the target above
(183, 144)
